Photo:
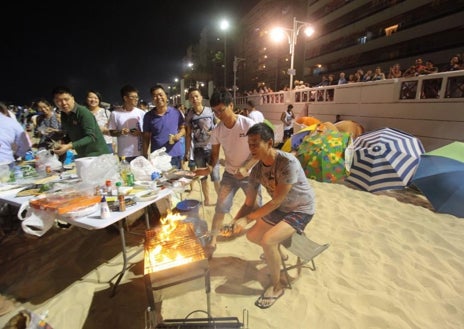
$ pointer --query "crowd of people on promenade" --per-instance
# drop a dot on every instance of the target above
(266, 94)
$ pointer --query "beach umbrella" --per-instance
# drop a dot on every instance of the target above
(384, 159)
(295, 140)
(321, 155)
(440, 177)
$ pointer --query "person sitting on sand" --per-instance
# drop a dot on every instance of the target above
(291, 208)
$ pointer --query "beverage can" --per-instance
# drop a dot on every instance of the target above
(130, 179)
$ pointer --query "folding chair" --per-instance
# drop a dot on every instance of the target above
(305, 250)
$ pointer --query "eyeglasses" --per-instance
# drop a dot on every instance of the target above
(220, 111)
(133, 97)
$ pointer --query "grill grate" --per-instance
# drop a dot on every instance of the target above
(179, 247)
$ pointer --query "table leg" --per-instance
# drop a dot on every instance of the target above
(124, 256)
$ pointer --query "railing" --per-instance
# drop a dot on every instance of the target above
(436, 86)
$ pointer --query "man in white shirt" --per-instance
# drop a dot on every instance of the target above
(231, 133)
(253, 113)
(126, 124)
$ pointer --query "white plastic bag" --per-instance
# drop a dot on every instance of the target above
(35, 221)
(96, 170)
(142, 168)
(161, 160)
(349, 155)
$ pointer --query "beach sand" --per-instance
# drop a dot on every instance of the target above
(392, 263)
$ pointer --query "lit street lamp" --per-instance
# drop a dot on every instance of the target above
(292, 34)
(224, 26)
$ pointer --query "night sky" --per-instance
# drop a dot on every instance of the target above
(95, 45)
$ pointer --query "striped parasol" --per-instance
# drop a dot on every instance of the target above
(384, 159)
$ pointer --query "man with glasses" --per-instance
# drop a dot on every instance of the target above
(80, 126)
(164, 126)
(231, 133)
(126, 124)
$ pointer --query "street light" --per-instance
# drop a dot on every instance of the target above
(292, 34)
(224, 26)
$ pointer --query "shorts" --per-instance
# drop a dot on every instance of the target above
(176, 162)
(202, 157)
(228, 189)
(297, 220)
(288, 133)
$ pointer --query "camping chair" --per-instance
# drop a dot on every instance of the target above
(305, 250)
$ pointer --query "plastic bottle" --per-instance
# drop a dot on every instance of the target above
(124, 169)
(108, 187)
(18, 173)
(121, 200)
(104, 208)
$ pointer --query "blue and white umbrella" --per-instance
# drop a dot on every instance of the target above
(384, 159)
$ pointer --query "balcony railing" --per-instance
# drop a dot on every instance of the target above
(437, 86)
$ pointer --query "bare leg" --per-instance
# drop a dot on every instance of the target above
(205, 188)
(269, 238)
(216, 226)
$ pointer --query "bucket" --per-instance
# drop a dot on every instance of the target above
(189, 208)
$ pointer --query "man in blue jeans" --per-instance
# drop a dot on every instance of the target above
(231, 133)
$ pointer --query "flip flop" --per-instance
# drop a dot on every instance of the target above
(272, 300)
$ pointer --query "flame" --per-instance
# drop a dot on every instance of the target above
(158, 258)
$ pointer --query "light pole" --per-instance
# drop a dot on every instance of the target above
(224, 26)
(236, 61)
(292, 35)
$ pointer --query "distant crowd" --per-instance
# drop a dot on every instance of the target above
(420, 67)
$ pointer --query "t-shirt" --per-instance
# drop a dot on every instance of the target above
(201, 126)
(256, 116)
(128, 145)
(286, 169)
(234, 142)
(161, 126)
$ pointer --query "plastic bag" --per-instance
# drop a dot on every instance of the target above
(44, 159)
(349, 155)
(35, 221)
(161, 160)
(142, 168)
(98, 169)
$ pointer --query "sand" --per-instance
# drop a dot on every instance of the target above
(392, 263)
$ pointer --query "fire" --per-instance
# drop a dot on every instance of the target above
(169, 224)
(165, 249)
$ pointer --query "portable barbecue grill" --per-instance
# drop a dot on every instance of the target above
(173, 258)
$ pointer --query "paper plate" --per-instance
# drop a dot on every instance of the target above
(142, 183)
(146, 195)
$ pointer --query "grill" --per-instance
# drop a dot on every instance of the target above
(173, 255)
(172, 250)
